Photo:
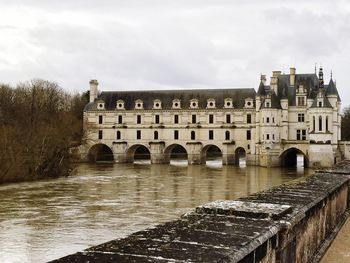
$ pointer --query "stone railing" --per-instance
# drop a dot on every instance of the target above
(288, 223)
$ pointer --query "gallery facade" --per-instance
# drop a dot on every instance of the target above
(294, 115)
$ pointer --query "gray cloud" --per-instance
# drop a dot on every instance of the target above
(159, 44)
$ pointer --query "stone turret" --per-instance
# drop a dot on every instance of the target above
(93, 90)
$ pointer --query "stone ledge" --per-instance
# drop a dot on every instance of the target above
(249, 229)
(245, 209)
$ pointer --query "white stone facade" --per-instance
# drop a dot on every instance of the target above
(295, 114)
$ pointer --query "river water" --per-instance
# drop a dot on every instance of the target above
(45, 220)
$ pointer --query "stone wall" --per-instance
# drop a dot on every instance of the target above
(288, 223)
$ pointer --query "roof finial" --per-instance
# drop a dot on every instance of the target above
(331, 74)
(316, 68)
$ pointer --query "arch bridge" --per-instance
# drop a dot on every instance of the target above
(294, 157)
(162, 153)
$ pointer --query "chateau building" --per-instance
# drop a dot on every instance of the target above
(294, 117)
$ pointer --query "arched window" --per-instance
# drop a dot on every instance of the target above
(156, 135)
(227, 135)
(320, 123)
(119, 135)
(193, 135)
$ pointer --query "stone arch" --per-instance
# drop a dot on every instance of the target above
(289, 157)
(138, 152)
(175, 151)
(211, 151)
(100, 153)
(240, 153)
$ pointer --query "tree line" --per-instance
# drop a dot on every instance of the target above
(345, 124)
(39, 123)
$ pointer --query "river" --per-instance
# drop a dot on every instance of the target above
(45, 220)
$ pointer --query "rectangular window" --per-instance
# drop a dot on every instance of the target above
(193, 135)
(120, 119)
(249, 135)
(211, 135)
(100, 134)
(267, 119)
(228, 118)
(194, 118)
(176, 135)
(301, 101)
(211, 118)
(249, 118)
(301, 117)
(301, 135)
(156, 119)
(100, 119)
(176, 118)
(119, 136)
(267, 136)
(138, 119)
(227, 135)
(155, 135)
(138, 135)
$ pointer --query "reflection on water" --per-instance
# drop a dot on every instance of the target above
(41, 221)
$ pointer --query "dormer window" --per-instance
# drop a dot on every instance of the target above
(120, 105)
(268, 103)
(100, 105)
(194, 104)
(320, 103)
(210, 103)
(139, 104)
(228, 103)
(176, 104)
(248, 103)
(301, 101)
(157, 104)
(301, 89)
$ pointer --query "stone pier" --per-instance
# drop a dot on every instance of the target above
(288, 223)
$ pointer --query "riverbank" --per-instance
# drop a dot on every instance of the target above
(39, 123)
(288, 223)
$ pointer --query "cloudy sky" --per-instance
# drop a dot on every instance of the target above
(162, 44)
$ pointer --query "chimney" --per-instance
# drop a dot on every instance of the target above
(292, 76)
(276, 73)
(93, 89)
(274, 80)
(263, 79)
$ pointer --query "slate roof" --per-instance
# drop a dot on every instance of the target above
(167, 96)
(261, 90)
(309, 81)
(326, 103)
(275, 102)
(331, 89)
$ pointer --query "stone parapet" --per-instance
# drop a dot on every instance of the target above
(288, 223)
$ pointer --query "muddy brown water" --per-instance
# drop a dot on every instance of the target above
(45, 220)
